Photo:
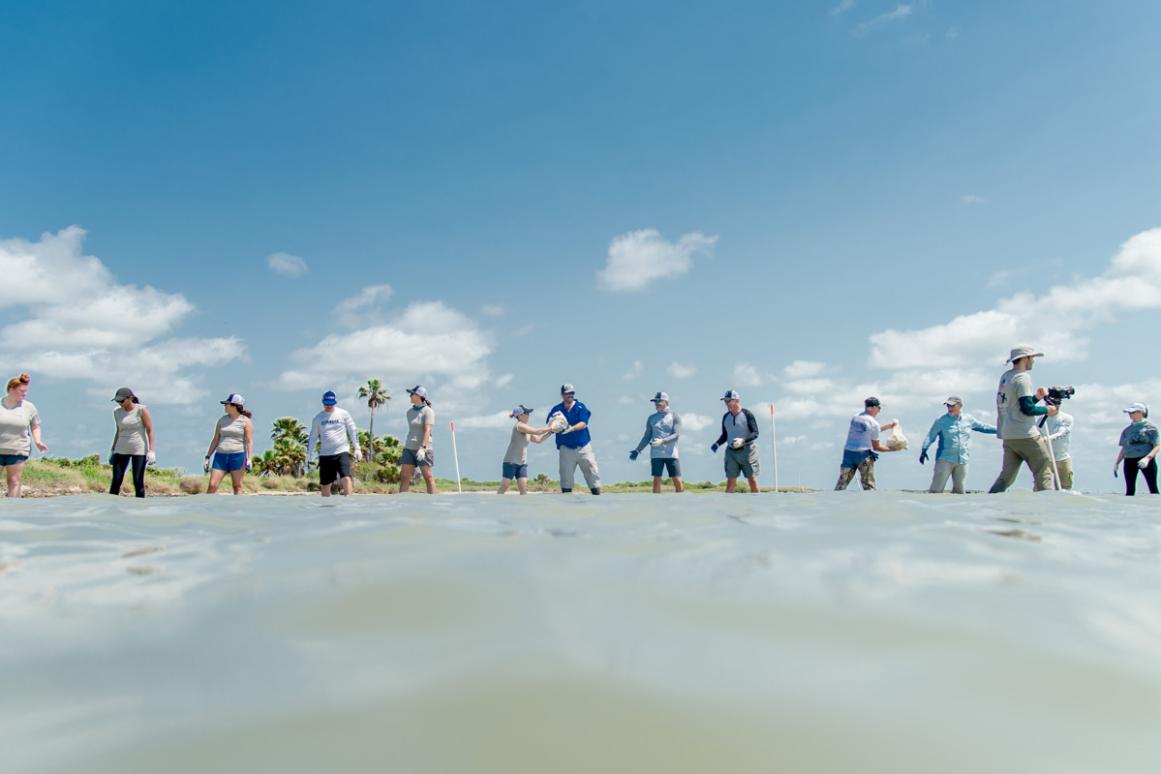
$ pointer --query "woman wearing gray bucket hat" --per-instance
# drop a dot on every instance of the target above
(133, 443)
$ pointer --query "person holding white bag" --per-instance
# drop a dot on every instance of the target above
(863, 444)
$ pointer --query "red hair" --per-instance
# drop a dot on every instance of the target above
(16, 381)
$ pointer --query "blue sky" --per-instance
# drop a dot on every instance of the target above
(792, 180)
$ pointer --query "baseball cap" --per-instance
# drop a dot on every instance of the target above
(234, 399)
(953, 400)
(567, 389)
(1023, 350)
(731, 395)
(1137, 407)
(124, 393)
(872, 402)
(329, 398)
(660, 397)
(520, 409)
(417, 390)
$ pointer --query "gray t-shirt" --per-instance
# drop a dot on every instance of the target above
(1139, 438)
(15, 428)
(232, 435)
(517, 453)
(131, 436)
(417, 418)
(1011, 422)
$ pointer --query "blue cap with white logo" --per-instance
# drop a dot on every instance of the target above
(329, 398)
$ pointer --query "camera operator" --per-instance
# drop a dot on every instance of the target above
(1059, 429)
(1017, 412)
(1140, 442)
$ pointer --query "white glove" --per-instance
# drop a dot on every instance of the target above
(206, 465)
(1143, 463)
(420, 454)
(656, 442)
(566, 430)
(151, 458)
(737, 443)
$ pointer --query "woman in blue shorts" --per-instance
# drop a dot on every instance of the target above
(19, 430)
(233, 445)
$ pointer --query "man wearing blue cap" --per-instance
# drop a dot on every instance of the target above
(516, 457)
(739, 431)
(335, 433)
(573, 441)
(662, 429)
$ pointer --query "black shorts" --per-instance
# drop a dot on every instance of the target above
(332, 467)
(665, 464)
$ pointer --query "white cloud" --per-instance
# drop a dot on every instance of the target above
(970, 199)
(79, 323)
(746, 375)
(503, 380)
(493, 310)
(639, 257)
(362, 308)
(1054, 321)
(681, 370)
(499, 420)
(901, 12)
(635, 371)
(287, 265)
(792, 440)
(842, 7)
(803, 369)
(695, 423)
(427, 340)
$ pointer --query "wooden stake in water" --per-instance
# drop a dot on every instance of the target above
(774, 443)
(456, 454)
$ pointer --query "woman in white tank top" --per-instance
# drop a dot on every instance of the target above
(132, 442)
(232, 448)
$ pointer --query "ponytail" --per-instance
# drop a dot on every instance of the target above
(244, 412)
(16, 381)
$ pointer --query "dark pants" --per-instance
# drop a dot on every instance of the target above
(1150, 474)
(120, 463)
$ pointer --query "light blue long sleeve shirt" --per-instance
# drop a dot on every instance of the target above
(955, 437)
(664, 426)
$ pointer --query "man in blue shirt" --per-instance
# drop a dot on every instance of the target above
(574, 442)
(954, 431)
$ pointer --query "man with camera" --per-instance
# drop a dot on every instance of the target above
(1018, 410)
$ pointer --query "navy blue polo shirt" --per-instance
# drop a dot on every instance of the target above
(578, 413)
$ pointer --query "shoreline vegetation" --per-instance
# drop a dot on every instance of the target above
(59, 477)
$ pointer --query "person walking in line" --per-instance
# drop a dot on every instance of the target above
(1059, 429)
(19, 430)
(515, 466)
(132, 442)
(863, 446)
(1140, 442)
(662, 430)
(739, 431)
(334, 431)
(574, 443)
(1017, 412)
(954, 433)
(232, 447)
(417, 452)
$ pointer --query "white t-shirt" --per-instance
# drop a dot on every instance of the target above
(863, 433)
(335, 431)
(15, 428)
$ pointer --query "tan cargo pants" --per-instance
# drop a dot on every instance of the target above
(1030, 451)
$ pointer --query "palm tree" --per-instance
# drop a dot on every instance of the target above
(266, 464)
(290, 457)
(376, 395)
(290, 429)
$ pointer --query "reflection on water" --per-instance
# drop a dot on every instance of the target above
(799, 633)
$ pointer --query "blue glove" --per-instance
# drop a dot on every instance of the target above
(923, 456)
(633, 455)
(714, 448)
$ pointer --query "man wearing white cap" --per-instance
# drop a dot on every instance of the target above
(954, 433)
(515, 464)
(1059, 429)
(1140, 443)
(739, 431)
(1017, 413)
(662, 429)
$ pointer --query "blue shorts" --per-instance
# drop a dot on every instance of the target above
(229, 462)
(408, 458)
(512, 470)
(663, 464)
(852, 459)
(12, 459)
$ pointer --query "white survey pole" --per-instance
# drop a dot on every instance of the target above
(774, 443)
(456, 454)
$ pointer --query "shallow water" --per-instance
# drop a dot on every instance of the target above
(704, 633)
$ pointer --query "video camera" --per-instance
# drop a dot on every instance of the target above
(1057, 395)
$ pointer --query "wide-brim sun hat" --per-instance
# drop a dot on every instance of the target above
(1023, 350)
